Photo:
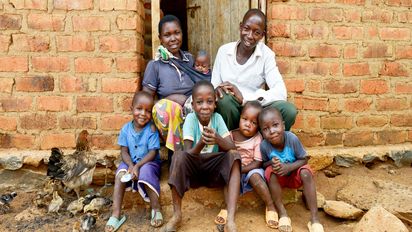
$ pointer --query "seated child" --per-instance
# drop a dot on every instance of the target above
(202, 62)
(285, 163)
(201, 163)
(247, 140)
(139, 142)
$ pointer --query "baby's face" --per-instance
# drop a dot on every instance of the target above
(202, 64)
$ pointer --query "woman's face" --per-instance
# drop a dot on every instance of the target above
(171, 37)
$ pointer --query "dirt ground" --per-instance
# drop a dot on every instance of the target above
(196, 217)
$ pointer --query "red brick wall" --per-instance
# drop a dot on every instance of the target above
(348, 67)
(67, 65)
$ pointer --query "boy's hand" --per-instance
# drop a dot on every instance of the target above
(135, 172)
(209, 136)
(280, 168)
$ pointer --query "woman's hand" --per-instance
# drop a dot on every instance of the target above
(229, 88)
(178, 98)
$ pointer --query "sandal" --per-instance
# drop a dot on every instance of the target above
(315, 227)
(222, 215)
(272, 216)
(114, 223)
(285, 225)
(156, 219)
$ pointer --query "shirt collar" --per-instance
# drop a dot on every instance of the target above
(257, 52)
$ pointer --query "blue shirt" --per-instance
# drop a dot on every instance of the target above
(192, 130)
(139, 142)
(292, 151)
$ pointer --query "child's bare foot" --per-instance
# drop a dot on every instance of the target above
(230, 227)
(173, 224)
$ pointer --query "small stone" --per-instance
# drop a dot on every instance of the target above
(320, 200)
(402, 158)
(344, 161)
(377, 219)
(11, 162)
(33, 160)
(340, 209)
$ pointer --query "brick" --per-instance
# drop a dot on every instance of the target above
(350, 51)
(346, 33)
(314, 1)
(94, 104)
(91, 23)
(372, 121)
(355, 139)
(38, 121)
(29, 4)
(128, 64)
(410, 136)
(358, 104)
(72, 84)
(27, 43)
(372, 33)
(400, 34)
(76, 122)
(334, 105)
(22, 141)
(73, 4)
(324, 51)
(311, 103)
(311, 139)
(388, 104)
(287, 49)
(314, 86)
(390, 137)
(126, 103)
(92, 65)
(295, 85)
(104, 142)
(403, 52)
(117, 44)
(374, 86)
(403, 88)
(356, 69)
(109, 5)
(336, 122)
(50, 64)
(53, 103)
(75, 43)
(401, 120)
(406, 3)
(299, 122)
(8, 123)
(352, 15)
(405, 17)
(10, 22)
(286, 12)
(6, 85)
(4, 43)
(283, 66)
(340, 87)
(15, 104)
(279, 30)
(333, 139)
(393, 69)
(379, 16)
(117, 85)
(312, 122)
(377, 50)
(35, 84)
(127, 22)
(14, 64)
(46, 22)
(63, 140)
(312, 31)
(5, 140)
(326, 14)
(114, 122)
(352, 2)
(315, 68)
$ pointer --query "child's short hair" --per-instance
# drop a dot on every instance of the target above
(254, 104)
(202, 53)
(200, 84)
(140, 94)
(268, 110)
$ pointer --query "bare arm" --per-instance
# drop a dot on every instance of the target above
(193, 150)
(285, 168)
(253, 165)
(153, 93)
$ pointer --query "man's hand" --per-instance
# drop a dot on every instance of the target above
(229, 88)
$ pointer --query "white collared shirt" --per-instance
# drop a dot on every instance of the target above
(260, 68)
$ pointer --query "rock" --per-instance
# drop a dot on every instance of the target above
(11, 162)
(29, 214)
(100, 174)
(401, 158)
(340, 209)
(331, 173)
(320, 161)
(33, 160)
(377, 219)
(344, 161)
(320, 200)
(17, 180)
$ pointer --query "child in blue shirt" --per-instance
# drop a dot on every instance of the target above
(139, 142)
(285, 161)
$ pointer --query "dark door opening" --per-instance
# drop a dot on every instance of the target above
(178, 9)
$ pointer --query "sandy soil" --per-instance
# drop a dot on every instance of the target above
(196, 216)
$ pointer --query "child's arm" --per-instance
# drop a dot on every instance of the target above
(210, 137)
(253, 165)
(285, 168)
(193, 150)
(124, 152)
(147, 158)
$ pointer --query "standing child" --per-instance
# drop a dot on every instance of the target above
(247, 140)
(139, 142)
(201, 163)
(202, 62)
(285, 161)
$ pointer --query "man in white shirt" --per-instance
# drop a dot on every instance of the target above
(242, 68)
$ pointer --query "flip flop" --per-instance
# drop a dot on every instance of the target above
(315, 227)
(115, 223)
(222, 214)
(156, 216)
(285, 225)
(272, 216)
